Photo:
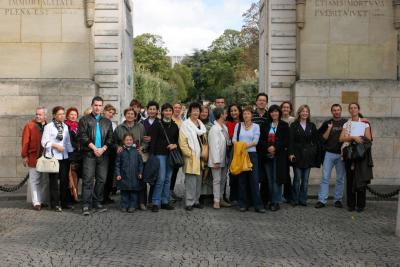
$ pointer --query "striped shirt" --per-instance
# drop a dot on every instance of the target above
(258, 119)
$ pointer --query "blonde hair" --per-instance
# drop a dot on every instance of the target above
(88, 111)
(300, 109)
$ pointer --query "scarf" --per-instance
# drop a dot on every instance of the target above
(192, 133)
(73, 125)
(60, 129)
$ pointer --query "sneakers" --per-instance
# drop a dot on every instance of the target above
(155, 208)
(100, 208)
(338, 204)
(216, 205)
(320, 205)
(262, 210)
(274, 207)
(85, 211)
(37, 207)
(124, 210)
(167, 207)
(189, 208)
(131, 210)
(224, 204)
(58, 209)
(142, 207)
(198, 206)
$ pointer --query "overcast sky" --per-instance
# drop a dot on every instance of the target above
(186, 25)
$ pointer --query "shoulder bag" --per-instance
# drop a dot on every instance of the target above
(174, 158)
(47, 165)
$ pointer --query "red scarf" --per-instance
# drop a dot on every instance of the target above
(73, 125)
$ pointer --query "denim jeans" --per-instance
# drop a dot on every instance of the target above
(332, 160)
(94, 172)
(274, 189)
(129, 199)
(162, 186)
(252, 176)
(300, 185)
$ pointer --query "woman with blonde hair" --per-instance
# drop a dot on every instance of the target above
(303, 153)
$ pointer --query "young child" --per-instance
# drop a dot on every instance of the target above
(128, 171)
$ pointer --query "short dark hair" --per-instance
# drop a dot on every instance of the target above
(166, 106)
(355, 103)
(220, 97)
(97, 98)
(248, 108)
(336, 105)
(130, 109)
(272, 109)
(192, 106)
(126, 135)
(218, 112)
(57, 108)
(229, 117)
(261, 94)
(135, 102)
(153, 103)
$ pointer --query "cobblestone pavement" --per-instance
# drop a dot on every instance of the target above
(300, 236)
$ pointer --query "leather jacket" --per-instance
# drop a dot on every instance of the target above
(87, 132)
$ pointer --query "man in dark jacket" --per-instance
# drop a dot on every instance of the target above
(95, 136)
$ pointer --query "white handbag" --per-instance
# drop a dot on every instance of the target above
(47, 165)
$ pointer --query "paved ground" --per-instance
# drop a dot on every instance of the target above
(300, 236)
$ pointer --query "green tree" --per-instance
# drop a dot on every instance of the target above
(150, 86)
(150, 54)
(244, 92)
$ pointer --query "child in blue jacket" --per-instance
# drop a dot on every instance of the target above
(128, 172)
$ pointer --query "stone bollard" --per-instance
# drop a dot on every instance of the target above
(398, 218)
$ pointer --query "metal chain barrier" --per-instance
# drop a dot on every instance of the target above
(383, 195)
(14, 188)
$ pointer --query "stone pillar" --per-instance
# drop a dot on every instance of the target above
(113, 37)
(59, 53)
(278, 48)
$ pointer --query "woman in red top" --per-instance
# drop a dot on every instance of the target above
(234, 117)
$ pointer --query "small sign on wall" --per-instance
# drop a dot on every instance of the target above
(349, 97)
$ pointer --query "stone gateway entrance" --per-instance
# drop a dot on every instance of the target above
(59, 52)
(321, 52)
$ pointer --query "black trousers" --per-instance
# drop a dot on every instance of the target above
(108, 186)
(173, 178)
(355, 197)
(234, 187)
(59, 186)
(94, 173)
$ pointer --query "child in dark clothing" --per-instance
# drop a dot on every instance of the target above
(128, 172)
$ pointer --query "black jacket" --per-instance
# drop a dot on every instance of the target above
(158, 144)
(363, 173)
(304, 145)
(281, 146)
(87, 132)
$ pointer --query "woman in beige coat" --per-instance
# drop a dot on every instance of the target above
(191, 133)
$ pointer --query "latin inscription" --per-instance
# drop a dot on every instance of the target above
(349, 8)
(35, 7)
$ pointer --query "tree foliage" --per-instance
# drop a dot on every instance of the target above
(150, 54)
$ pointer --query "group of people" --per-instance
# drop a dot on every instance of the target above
(141, 155)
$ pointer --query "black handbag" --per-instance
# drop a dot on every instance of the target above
(354, 152)
(175, 159)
